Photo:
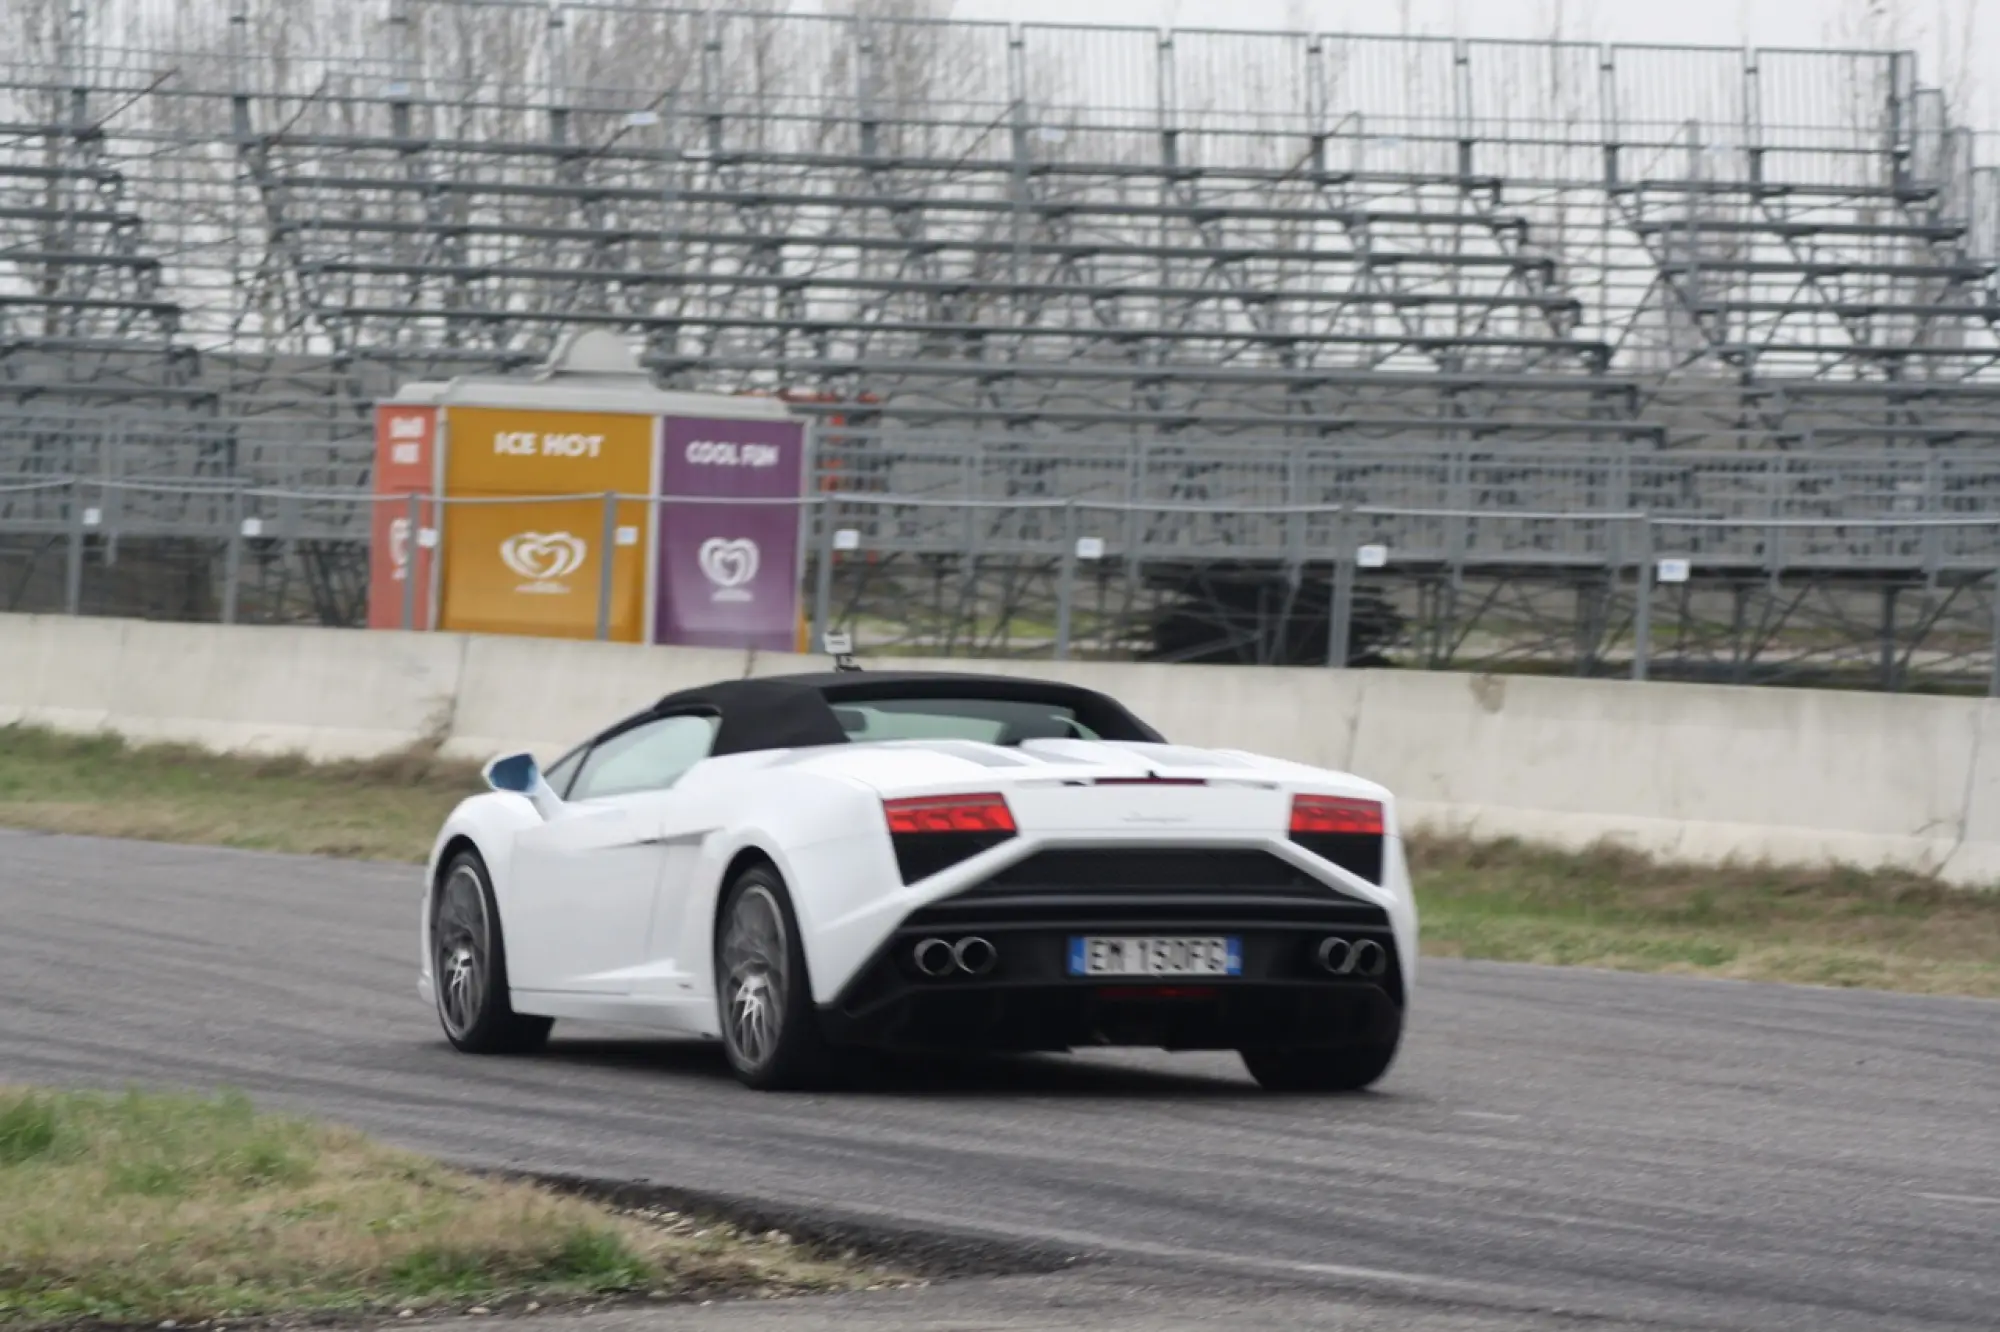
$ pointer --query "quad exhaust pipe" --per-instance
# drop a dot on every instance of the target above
(1352, 957)
(934, 957)
(975, 956)
(970, 956)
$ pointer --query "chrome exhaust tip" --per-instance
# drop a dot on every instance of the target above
(1370, 958)
(933, 957)
(1336, 956)
(975, 955)
(1359, 957)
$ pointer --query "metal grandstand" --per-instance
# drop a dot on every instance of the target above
(1243, 306)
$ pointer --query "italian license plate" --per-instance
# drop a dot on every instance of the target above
(1100, 956)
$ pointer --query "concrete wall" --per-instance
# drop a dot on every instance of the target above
(329, 693)
(1704, 773)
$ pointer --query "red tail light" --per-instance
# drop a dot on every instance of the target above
(942, 814)
(1335, 814)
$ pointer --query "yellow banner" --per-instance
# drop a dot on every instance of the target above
(523, 568)
(511, 451)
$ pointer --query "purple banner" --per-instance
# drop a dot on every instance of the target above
(729, 573)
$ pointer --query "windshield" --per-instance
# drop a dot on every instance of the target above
(990, 721)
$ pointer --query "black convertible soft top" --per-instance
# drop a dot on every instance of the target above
(795, 711)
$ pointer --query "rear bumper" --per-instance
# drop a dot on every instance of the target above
(1284, 997)
(1191, 1015)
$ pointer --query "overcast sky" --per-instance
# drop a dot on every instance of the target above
(1935, 29)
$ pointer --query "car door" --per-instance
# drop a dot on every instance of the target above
(584, 884)
(680, 940)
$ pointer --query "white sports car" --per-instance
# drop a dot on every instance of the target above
(811, 864)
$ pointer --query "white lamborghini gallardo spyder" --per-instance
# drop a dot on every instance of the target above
(807, 864)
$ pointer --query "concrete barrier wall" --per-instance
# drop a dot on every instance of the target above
(1975, 856)
(1704, 773)
(329, 693)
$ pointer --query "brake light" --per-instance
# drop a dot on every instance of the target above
(946, 814)
(1335, 814)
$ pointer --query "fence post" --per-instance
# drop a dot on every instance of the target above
(1993, 672)
(822, 611)
(1340, 598)
(409, 557)
(1066, 582)
(606, 550)
(73, 564)
(232, 558)
(1642, 608)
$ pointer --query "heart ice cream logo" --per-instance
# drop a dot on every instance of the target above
(399, 547)
(543, 558)
(730, 565)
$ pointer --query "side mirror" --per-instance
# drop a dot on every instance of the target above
(519, 774)
(514, 772)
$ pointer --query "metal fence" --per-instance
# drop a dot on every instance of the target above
(1111, 91)
(146, 460)
(1073, 571)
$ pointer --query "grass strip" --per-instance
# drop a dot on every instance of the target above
(1613, 907)
(378, 809)
(1496, 900)
(160, 1207)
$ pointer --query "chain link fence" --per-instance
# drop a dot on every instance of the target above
(1893, 600)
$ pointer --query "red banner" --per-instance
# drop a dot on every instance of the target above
(405, 465)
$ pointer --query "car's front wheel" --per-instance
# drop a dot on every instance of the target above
(1346, 1068)
(469, 967)
(769, 1029)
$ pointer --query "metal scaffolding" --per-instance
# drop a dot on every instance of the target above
(1195, 269)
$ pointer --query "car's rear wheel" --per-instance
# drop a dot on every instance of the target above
(770, 1031)
(469, 967)
(1343, 1069)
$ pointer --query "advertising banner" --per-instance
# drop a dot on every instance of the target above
(520, 451)
(729, 573)
(405, 462)
(538, 568)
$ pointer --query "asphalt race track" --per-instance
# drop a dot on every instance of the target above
(1645, 1150)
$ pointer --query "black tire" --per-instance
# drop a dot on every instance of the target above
(469, 966)
(795, 1056)
(1345, 1069)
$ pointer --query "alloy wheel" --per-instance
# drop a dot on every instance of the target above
(756, 971)
(460, 951)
